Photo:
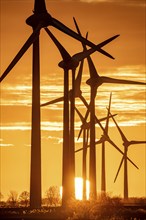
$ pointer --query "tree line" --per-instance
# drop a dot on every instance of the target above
(52, 198)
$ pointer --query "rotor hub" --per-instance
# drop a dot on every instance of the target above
(93, 82)
(44, 19)
(69, 65)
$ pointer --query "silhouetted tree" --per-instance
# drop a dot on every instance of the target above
(53, 196)
(13, 198)
(1, 196)
(2, 203)
(24, 198)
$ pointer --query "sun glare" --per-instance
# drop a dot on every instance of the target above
(79, 188)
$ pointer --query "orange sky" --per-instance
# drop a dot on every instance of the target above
(102, 19)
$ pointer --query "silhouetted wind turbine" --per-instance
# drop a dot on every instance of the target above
(68, 132)
(95, 82)
(126, 144)
(91, 109)
(69, 63)
(86, 129)
(40, 19)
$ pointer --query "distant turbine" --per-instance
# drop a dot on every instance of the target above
(91, 109)
(86, 129)
(94, 82)
(126, 144)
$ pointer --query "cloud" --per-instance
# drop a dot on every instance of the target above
(5, 145)
(138, 3)
(126, 99)
(124, 2)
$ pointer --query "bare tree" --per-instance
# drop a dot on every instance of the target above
(1, 196)
(12, 198)
(53, 196)
(24, 198)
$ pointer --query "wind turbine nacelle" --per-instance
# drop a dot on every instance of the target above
(71, 64)
(44, 19)
(94, 82)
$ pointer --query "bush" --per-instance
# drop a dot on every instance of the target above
(104, 208)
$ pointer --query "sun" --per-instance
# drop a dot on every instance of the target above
(79, 188)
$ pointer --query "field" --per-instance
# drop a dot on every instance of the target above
(105, 209)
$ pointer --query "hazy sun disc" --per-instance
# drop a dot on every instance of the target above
(79, 188)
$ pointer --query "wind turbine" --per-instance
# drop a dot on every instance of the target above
(69, 63)
(91, 109)
(94, 82)
(126, 144)
(40, 19)
(68, 132)
(86, 130)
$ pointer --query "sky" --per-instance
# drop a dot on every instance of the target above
(102, 19)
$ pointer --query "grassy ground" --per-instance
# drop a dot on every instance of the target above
(105, 208)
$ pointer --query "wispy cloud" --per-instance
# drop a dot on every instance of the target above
(5, 144)
(126, 98)
(124, 2)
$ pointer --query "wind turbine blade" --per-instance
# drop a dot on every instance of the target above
(108, 40)
(119, 169)
(101, 44)
(87, 125)
(103, 119)
(137, 142)
(114, 145)
(108, 114)
(107, 138)
(84, 101)
(77, 27)
(79, 77)
(120, 131)
(80, 115)
(53, 101)
(27, 44)
(82, 55)
(80, 149)
(65, 29)
(65, 55)
(80, 132)
(85, 119)
(119, 81)
(92, 69)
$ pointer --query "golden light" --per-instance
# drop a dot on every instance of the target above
(60, 191)
(79, 188)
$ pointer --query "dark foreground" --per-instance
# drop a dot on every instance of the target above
(126, 212)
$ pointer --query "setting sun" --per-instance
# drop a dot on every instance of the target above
(79, 188)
